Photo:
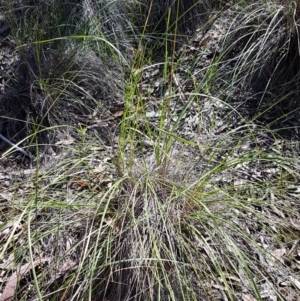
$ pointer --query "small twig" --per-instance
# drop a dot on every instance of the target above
(21, 150)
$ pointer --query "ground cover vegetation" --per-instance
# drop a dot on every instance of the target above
(149, 150)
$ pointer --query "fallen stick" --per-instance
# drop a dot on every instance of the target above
(21, 150)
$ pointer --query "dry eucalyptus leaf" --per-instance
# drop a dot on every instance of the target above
(12, 282)
(278, 254)
(295, 225)
(247, 297)
(65, 142)
(295, 281)
(118, 113)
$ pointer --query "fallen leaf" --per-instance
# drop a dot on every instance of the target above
(278, 254)
(65, 142)
(12, 225)
(247, 297)
(12, 282)
(295, 282)
(153, 114)
(118, 113)
(116, 226)
(277, 211)
(294, 224)
(97, 148)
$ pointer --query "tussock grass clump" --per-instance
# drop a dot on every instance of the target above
(261, 50)
(162, 16)
(161, 21)
(72, 59)
(80, 51)
(264, 44)
(162, 231)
